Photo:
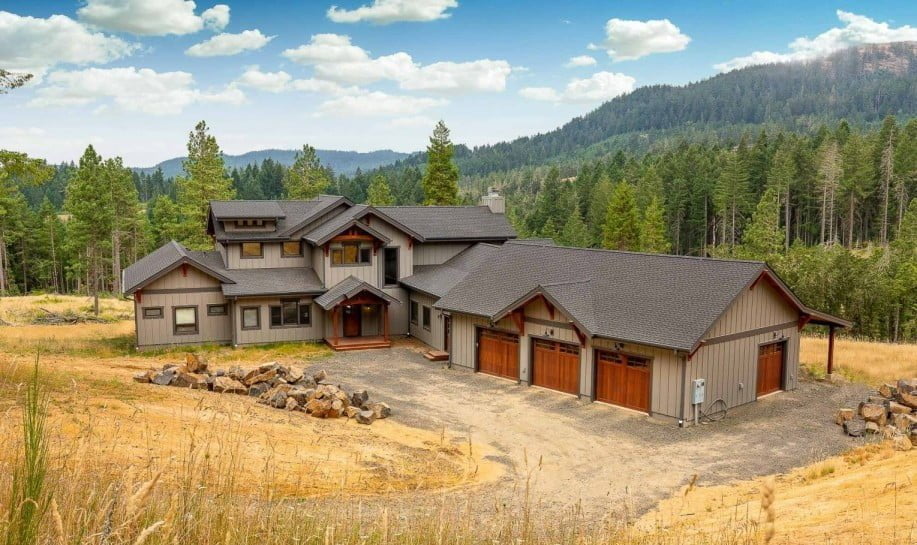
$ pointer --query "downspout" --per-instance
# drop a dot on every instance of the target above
(684, 377)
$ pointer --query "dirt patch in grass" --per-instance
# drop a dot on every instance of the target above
(861, 361)
(869, 491)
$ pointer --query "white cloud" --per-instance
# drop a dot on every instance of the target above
(627, 40)
(335, 58)
(412, 121)
(131, 89)
(857, 29)
(600, 87)
(223, 45)
(383, 12)
(32, 44)
(377, 104)
(279, 82)
(581, 60)
(153, 17)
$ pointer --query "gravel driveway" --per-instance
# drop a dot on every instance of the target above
(608, 458)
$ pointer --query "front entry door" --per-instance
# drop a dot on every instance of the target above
(352, 321)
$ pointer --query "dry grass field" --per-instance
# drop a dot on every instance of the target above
(863, 361)
(25, 309)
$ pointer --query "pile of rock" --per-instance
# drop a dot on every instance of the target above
(891, 411)
(275, 385)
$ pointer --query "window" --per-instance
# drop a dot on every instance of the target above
(216, 310)
(414, 312)
(292, 248)
(251, 250)
(390, 260)
(291, 314)
(152, 313)
(184, 320)
(251, 317)
(351, 253)
(426, 318)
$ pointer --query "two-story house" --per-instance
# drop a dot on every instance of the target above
(672, 336)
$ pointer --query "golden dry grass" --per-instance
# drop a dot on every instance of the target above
(870, 491)
(24, 309)
(866, 361)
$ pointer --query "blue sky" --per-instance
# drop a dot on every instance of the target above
(132, 77)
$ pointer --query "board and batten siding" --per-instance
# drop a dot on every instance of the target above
(178, 290)
(272, 257)
(730, 366)
(437, 253)
(268, 334)
(434, 336)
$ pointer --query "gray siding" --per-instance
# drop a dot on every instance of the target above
(174, 290)
(436, 253)
(272, 257)
(268, 334)
(433, 337)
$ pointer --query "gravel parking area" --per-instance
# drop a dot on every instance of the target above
(607, 458)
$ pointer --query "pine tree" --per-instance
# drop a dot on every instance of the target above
(440, 181)
(764, 237)
(206, 180)
(856, 179)
(598, 210)
(16, 169)
(165, 220)
(306, 179)
(731, 194)
(575, 233)
(125, 208)
(652, 229)
(829, 173)
(781, 177)
(621, 230)
(379, 194)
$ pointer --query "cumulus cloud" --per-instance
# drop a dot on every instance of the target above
(224, 45)
(857, 29)
(377, 104)
(383, 12)
(153, 17)
(335, 58)
(279, 82)
(32, 44)
(581, 60)
(627, 40)
(131, 89)
(600, 87)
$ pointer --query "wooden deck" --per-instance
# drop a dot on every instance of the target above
(358, 343)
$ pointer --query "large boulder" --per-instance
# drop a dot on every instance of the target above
(903, 422)
(236, 373)
(843, 415)
(365, 417)
(145, 377)
(379, 409)
(293, 375)
(888, 390)
(872, 427)
(908, 385)
(190, 380)
(359, 398)
(897, 408)
(351, 412)
(318, 407)
(164, 377)
(907, 399)
(301, 395)
(319, 376)
(257, 390)
(195, 363)
(227, 385)
(278, 399)
(855, 427)
(265, 376)
(874, 412)
(291, 404)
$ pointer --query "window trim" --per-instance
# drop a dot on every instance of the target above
(257, 326)
(358, 263)
(427, 317)
(283, 251)
(162, 313)
(260, 251)
(415, 312)
(211, 306)
(175, 324)
(397, 251)
(299, 306)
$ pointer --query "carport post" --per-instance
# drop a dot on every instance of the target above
(830, 350)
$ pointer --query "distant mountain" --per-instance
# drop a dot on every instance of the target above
(342, 162)
(861, 84)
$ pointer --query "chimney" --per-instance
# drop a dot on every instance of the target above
(494, 201)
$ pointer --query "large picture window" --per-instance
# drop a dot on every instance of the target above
(390, 273)
(252, 250)
(184, 320)
(292, 248)
(291, 314)
(251, 317)
(351, 253)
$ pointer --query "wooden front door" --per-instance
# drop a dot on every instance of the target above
(447, 333)
(770, 368)
(353, 323)
(498, 353)
(622, 379)
(555, 365)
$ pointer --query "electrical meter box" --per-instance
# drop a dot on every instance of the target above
(700, 386)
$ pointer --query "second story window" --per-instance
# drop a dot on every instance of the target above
(351, 253)
(390, 274)
(292, 248)
(251, 250)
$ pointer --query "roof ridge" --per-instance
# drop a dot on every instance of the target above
(565, 282)
(626, 252)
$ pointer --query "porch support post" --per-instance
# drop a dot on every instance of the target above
(334, 324)
(385, 321)
(830, 350)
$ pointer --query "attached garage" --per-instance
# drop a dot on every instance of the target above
(770, 368)
(622, 379)
(555, 365)
(498, 353)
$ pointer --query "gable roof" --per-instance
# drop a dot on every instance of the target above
(347, 288)
(440, 223)
(166, 258)
(437, 280)
(346, 219)
(287, 281)
(293, 215)
(227, 210)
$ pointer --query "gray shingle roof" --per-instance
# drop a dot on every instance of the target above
(246, 210)
(290, 281)
(295, 216)
(437, 280)
(348, 288)
(658, 300)
(452, 222)
(166, 257)
(325, 231)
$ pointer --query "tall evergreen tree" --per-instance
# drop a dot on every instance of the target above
(781, 176)
(731, 194)
(574, 232)
(205, 180)
(440, 180)
(621, 230)
(307, 178)
(764, 237)
(125, 207)
(379, 193)
(165, 220)
(653, 237)
(16, 170)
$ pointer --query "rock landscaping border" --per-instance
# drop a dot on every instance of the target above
(891, 412)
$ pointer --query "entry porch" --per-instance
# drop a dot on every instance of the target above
(358, 315)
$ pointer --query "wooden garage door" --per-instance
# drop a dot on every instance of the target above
(623, 380)
(770, 368)
(555, 365)
(498, 353)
